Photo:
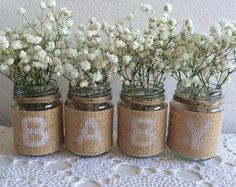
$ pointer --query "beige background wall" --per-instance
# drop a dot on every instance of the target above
(203, 12)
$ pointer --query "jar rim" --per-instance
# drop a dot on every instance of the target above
(143, 93)
(36, 90)
(90, 91)
(211, 92)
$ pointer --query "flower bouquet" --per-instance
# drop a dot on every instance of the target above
(28, 57)
(201, 64)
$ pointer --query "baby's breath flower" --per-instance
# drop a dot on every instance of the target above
(21, 10)
(52, 3)
(146, 7)
(4, 44)
(37, 47)
(83, 83)
(43, 5)
(142, 56)
(168, 7)
(16, 44)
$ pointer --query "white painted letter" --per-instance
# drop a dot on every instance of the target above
(40, 131)
(148, 131)
(90, 124)
(197, 134)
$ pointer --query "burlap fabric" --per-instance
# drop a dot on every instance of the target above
(194, 135)
(38, 132)
(89, 133)
(141, 133)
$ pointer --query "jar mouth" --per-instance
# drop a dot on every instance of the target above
(143, 93)
(198, 94)
(91, 91)
(35, 91)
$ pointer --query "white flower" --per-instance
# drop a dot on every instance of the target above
(40, 55)
(10, 61)
(148, 42)
(83, 83)
(72, 53)
(4, 44)
(36, 64)
(37, 40)
(3, 67)
(16, 44)
(146, 7)
(120, 44)
(22, 54)
(189, 25)
(196, 81)
(43, 5)
(85, 65)
(50, 46)
(92, 56)
(130, 17)
(127, 83)
(65, 11)
(126, 59)
(21, 10)
(57, 52)
(135, 45)
(52, 3)
(97, 76)
(168, 7)
(186, 83)
(90, 34)
(48, 60)
(113, 59)
(27, 68)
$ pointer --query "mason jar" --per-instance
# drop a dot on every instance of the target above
(195, 123)
(37, 119)
(89, 120)
(142, 116)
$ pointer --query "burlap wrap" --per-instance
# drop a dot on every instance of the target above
(37, 132)
(194, 135)
(141, 133)
(88, 133)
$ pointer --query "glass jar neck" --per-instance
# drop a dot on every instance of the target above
(35, 91)
(143, 93)
(211, 95)
(90, 92)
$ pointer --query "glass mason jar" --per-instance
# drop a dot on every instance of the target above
(89, 120)
(195, 124)
(37, 119)
(142, 121)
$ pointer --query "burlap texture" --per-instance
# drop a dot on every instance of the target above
(82, 126)
(53, 128)
(141, 133)
(194, 135)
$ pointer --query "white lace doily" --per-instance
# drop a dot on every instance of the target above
(114, 168)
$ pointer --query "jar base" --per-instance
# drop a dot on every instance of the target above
(89, 155)
(139, 156)
(181, 156)
(39, 155)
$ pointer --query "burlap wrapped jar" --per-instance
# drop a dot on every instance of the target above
(89, 120)
(142, 121)
(195, 124)
(37, 119)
